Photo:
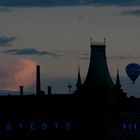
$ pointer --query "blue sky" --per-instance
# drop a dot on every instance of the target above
(56, 34)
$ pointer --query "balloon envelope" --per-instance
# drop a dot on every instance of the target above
(133, 71)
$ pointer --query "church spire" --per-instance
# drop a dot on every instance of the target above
(118, 84)
(79, 83)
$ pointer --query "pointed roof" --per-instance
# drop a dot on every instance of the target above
(118, 83)
(98, 73)
(79, 83)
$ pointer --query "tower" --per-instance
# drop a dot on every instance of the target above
(79, 83)
(98, 74)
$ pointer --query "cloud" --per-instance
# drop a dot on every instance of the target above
(31, 51)
(117, 2)
(86, 56)
(5, 9)
(6, 41)
(50, 3)
(133, 12)
(15, 73)
(123, 57)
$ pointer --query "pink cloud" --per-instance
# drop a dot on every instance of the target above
(15, 73)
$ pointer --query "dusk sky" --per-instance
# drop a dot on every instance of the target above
(56, 35)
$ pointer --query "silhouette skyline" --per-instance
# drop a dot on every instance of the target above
(59, 35)
(97, 80)
(67, 85)
(97, 105)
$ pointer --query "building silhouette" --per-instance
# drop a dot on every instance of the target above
(97, 110)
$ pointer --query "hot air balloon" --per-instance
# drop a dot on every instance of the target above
(133, 71)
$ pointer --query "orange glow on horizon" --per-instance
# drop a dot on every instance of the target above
(21, 72)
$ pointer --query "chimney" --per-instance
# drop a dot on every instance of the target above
(49, 90)
(21, 90)
(38, 80)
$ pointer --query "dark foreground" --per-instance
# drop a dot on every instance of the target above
(64, 117)
(48, 117)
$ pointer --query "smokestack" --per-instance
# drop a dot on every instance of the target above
(49, 90)
(37, 80)
(21, 90)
